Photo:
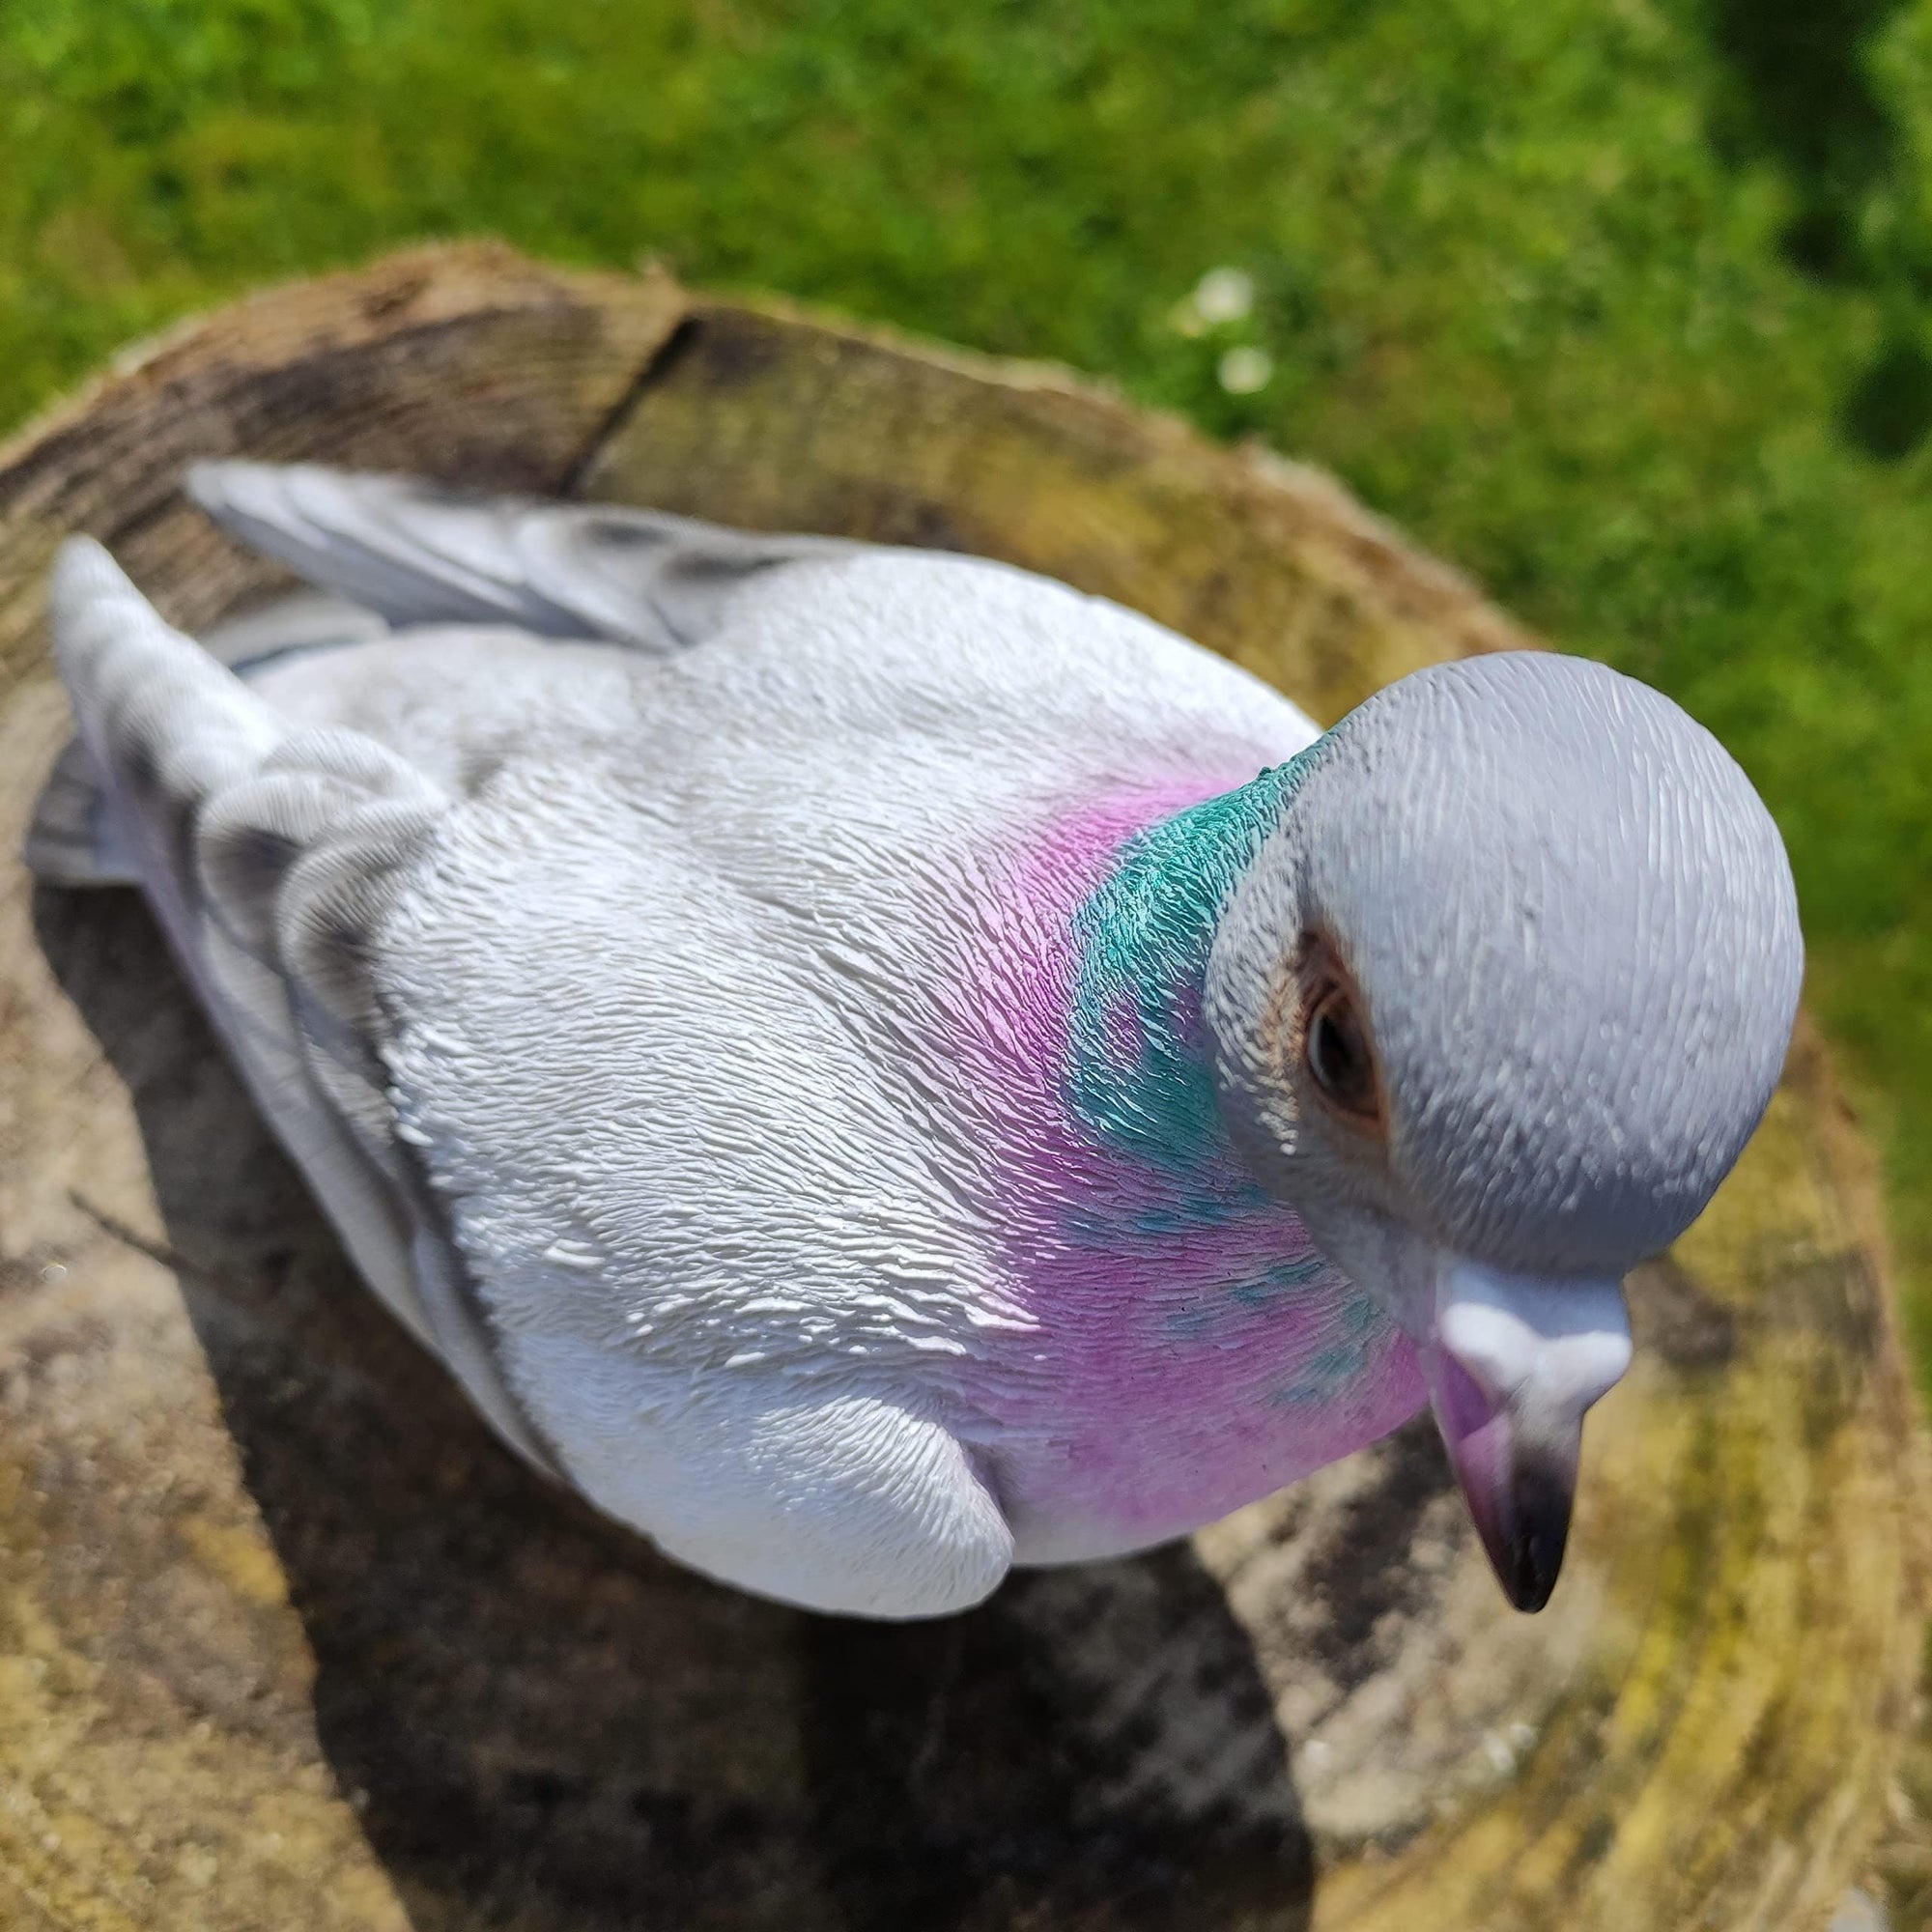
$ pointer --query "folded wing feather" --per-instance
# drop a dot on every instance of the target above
(418, 553)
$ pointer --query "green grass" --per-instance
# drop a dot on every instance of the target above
(1621, 304)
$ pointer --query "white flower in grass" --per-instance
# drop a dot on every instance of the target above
(1224, 295)
(1245, 370)
(1221, 296)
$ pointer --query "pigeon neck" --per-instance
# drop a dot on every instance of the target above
(1142, 1064)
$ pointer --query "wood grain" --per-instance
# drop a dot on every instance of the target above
(285, 1639)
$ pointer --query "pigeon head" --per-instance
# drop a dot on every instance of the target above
(1495, 1007)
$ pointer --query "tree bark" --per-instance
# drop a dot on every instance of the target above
(287, 1640)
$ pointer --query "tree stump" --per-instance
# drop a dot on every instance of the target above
(286, 1639)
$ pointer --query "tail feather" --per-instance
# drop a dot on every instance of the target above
(271, 852)
(74, 839)
(160, 725)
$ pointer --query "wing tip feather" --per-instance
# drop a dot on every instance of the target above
(235, 492)
(84, 569)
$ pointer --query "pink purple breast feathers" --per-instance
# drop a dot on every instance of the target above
(1186, 1348)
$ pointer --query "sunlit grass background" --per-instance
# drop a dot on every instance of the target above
(1621, 304)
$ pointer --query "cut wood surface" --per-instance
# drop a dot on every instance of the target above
(286, 1639)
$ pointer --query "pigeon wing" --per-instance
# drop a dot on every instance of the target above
(418, 553)
(271, 853)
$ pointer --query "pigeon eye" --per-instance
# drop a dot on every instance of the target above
(1335, 1044)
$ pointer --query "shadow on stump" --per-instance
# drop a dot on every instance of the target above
(544, 1724)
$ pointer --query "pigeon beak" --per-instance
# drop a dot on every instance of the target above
(1513, 1362)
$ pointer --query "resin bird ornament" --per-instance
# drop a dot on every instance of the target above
(876, 1067)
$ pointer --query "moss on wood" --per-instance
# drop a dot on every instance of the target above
(285, 1639)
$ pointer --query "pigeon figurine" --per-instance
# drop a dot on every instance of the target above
(877, 1068)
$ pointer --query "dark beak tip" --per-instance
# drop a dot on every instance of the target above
(1526, 1548)
(1530, 1593)
(1523, 1520)
(1529, 1565)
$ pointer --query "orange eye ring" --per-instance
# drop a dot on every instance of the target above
(1335, 1045)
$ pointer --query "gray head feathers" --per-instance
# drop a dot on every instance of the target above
(1571, 927)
